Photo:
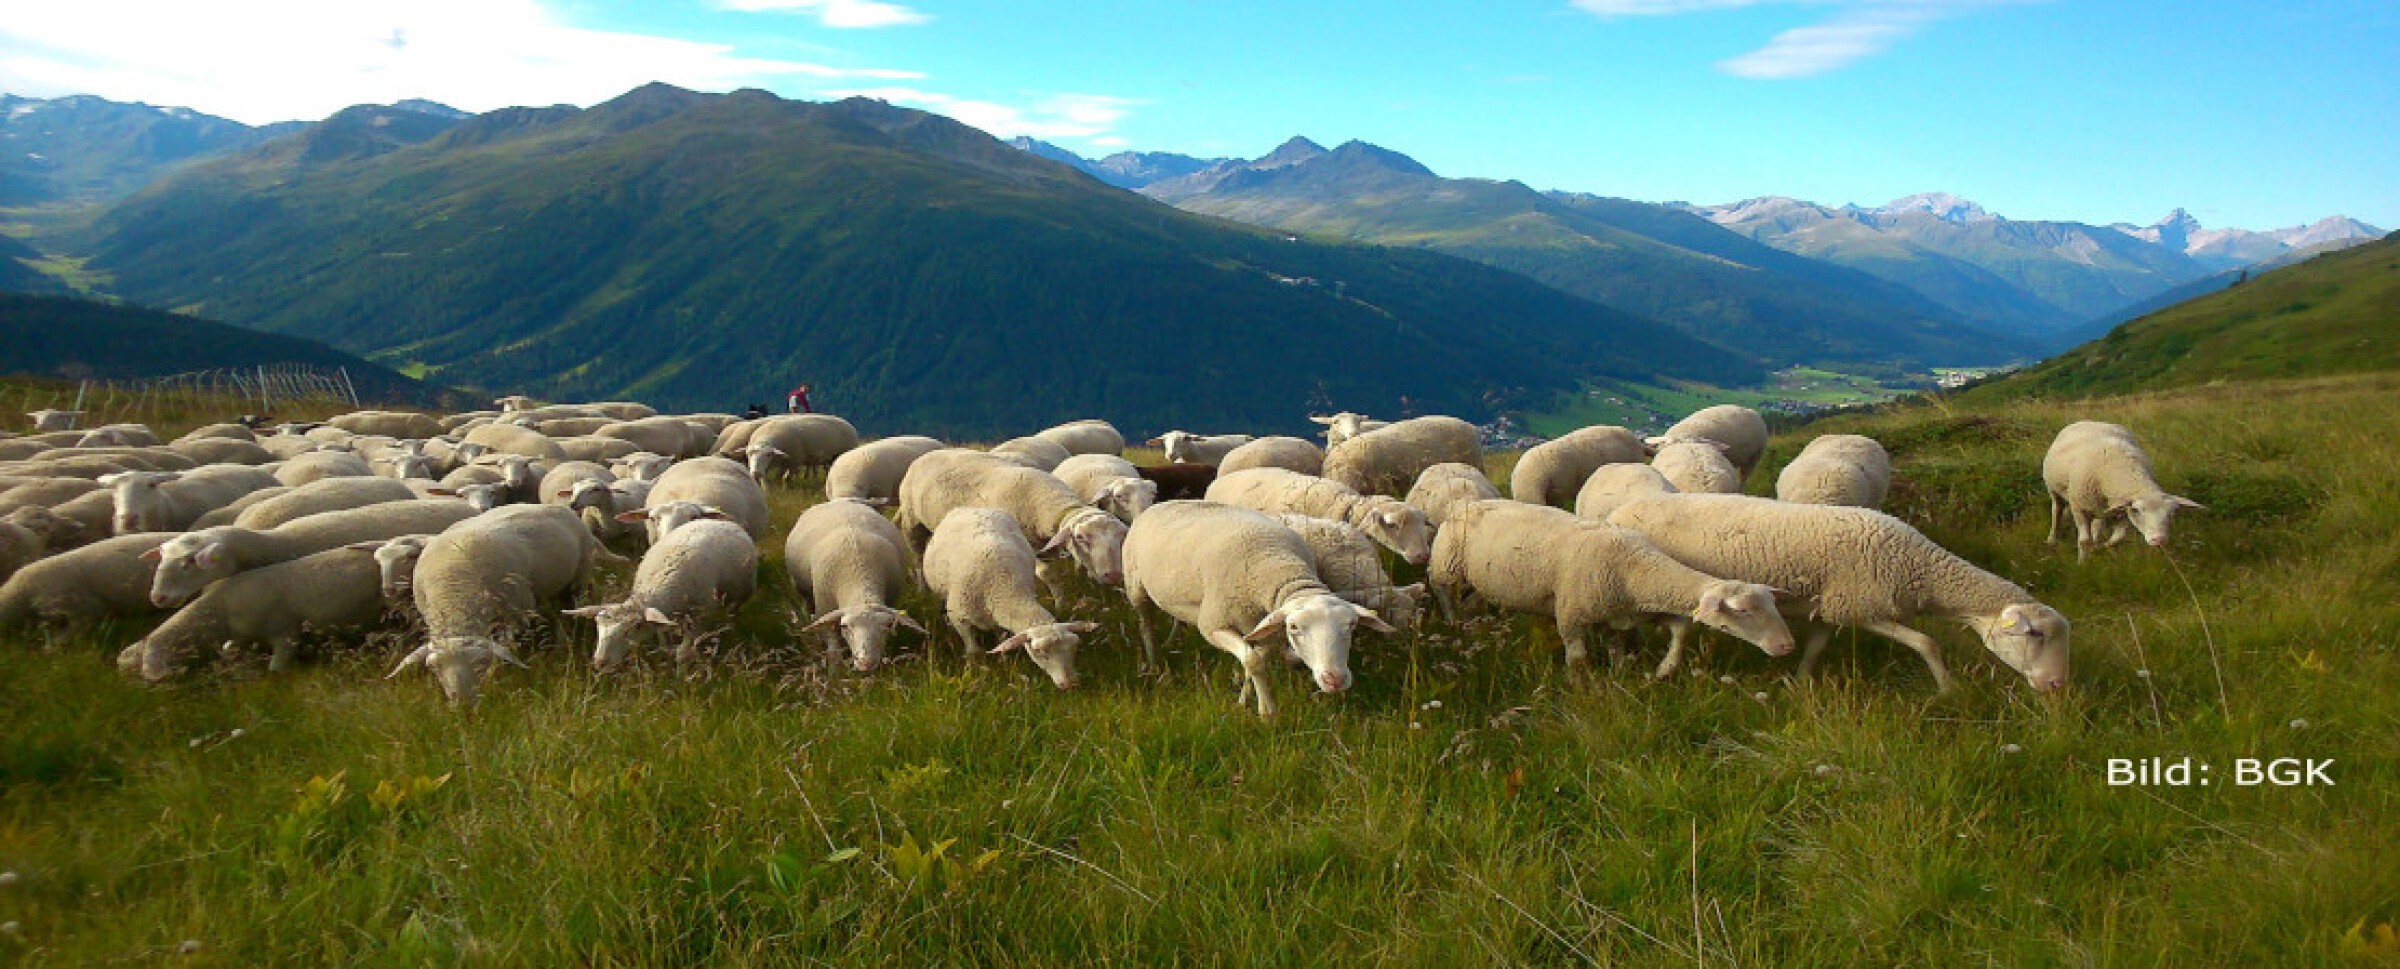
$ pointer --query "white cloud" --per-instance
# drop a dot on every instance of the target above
(273, 60)
(1088, 116)
(1110, 141)
(1858, 29)
(837, 13)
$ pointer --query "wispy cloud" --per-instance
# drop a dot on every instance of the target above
(273, 60)
(1858, 29)
(836, 13)
(1088, 116)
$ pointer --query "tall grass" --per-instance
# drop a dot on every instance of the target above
(1465, 804)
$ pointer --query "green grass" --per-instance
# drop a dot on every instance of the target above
(1466, 804)
(1644, 406)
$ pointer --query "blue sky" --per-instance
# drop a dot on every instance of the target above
(2257, 115)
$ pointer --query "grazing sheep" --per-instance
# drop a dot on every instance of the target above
(1552, 472)
(734, 437)
(871, 472)
(110, 577)
(1109, 483)
(2098, 473)
(1180, 482)
(625, 410)
(1739, 428)
(1388, 459)
(190, 561)
(849, 562)
(596, 448)
(233, 512)
(1239, 578)
(600, 508)
(1042, 504)
(320, 497)
(30, 532)
(395, 564)
(576, 484)
(575, 426)
(713, 423)
(1046, 454)
(118, 435)
(1837, 469)
(780, 447)
(151, 501)
(700, 572)
(662, 435)
(477, 583)
(1391, 522)
(642, 466)
(1185, 447)
(47, 492)
(93, 511)
(1617, 484)
(1442, 488)
(515, 403)
(1085, 437)
(54, 420)
(228, 432)
(511, 439)
(389, 423)
(319, 465)
(980, 564)
(1288, 453)
(1346, 425)
(714, 484)
(1542, 560)
(334, 591)
(1348, 563)
(1698, 467)
(1859, 568)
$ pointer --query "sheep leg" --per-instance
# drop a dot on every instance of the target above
(1442, 598)
(1255, 665)
(966, 636)
(833, 651)
(1679, 629)
(2084, 533)
(1818, 636)
(1923, 644)
(2058, 516)
(280, 653)
(2118, 530)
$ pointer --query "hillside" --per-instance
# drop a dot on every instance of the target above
(84, 149)
(1641, 258)
(17, 274)
(2331, 314)
(704, 251)
(64, 336)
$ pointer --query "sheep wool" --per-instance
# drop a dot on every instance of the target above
(1552, 472)
(1388, 459)
(849, 562)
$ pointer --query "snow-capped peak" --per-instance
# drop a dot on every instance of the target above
(1940, 205)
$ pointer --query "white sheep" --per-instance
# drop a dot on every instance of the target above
(1388, 459)
(1740, 429)
(395, 564)
(1085, 437)
(30, 532)
(662, 435)
(1346, 425)
(1348, 563)
(515, 403)
(233, 512)
(334, 591)
(1109, 483)
(225, 431)
(565, 427)
(1240, 578)
(1616, 484)
(641, 466)
(389, 423)
(595, 448)
(511, 439)
(222, 450)
(2100, 475)
(576, 484)
(1288, 453)
(154, 501)
(1444, 487)
(1698, 467)
(1185, 447)
(1552, 472)
(1042, 504)
(1837, 469)
(1585, 575)
(712, 485)
(1859, 568)
(698, 573)
(118, 435)
(110, 577)
(1046, 454)
(320, 465)
(1392, 523)
(624, 410)
(477, 584)
(849, 562)
(980, 564)
(192, 560)
(331, 494)
(871, 472)
(54, 420)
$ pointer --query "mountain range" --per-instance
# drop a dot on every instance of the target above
(703, 251)
(83, 150)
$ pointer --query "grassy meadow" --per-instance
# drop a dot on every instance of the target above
(1466, 804)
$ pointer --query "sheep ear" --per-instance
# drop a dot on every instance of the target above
(902, 619)
(712, 511)
(652, 614)
(829, 620)
(364, 546)
(1709, 602)
(506, 655)
(1008, 644)
(587, 612)
(1267, 626)
(416, 658)
(150, 555)
(206, 557)
(443, 492)
(1368, 618)
(566, 494)
(1056, 545)
(1320, 418)
(2183, 502)
(635, 516)
(1080, 627)
(876, 502)
(109, 480)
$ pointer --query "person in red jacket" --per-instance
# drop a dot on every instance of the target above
(796, 402)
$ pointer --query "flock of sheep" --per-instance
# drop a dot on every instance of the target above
(475, 526)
